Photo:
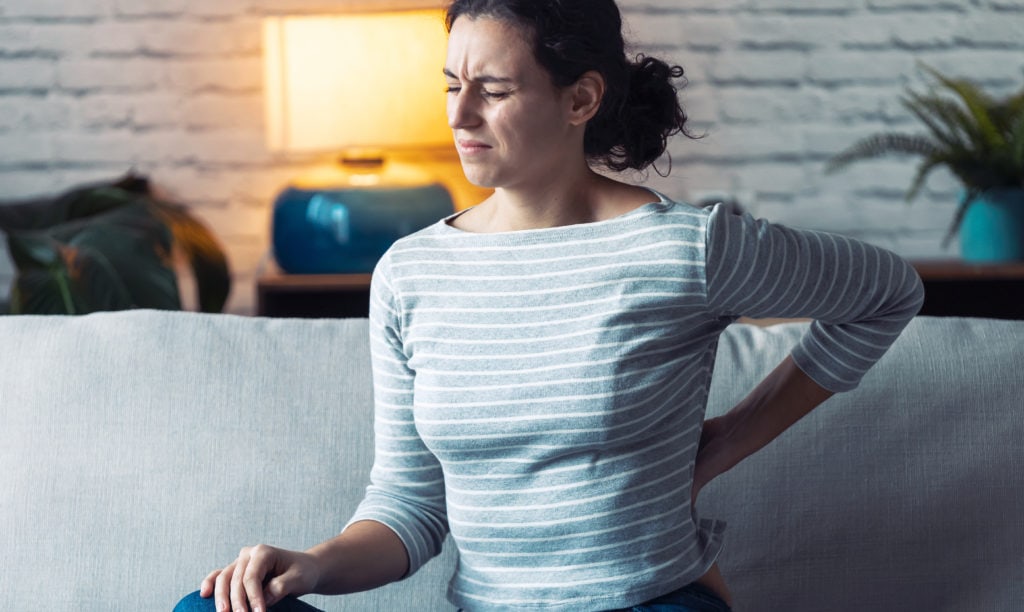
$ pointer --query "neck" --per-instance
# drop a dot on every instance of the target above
(566, 199)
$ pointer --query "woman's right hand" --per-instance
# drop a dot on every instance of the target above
(260, 577)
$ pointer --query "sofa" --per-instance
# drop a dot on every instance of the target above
(141, 449)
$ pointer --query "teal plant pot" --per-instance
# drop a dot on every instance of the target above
(992, 229)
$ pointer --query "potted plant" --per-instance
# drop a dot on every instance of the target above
(109, 246)
(980, 139)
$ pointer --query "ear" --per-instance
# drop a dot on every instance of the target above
(586, 95)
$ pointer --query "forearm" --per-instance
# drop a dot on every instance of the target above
(780, 400)
(365, 556)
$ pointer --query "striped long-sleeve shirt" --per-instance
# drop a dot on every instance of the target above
(540, 393)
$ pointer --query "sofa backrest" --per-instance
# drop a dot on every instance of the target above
(140, 450)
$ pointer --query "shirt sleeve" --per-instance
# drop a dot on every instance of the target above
(406, 491)
(860, 296)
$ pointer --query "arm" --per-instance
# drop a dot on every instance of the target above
(406, 492)
(779, 401)
(860, 297)
(364, 556)
(399, 525)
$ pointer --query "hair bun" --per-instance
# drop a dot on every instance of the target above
(634, 132)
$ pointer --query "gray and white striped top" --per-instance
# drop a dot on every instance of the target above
(540, 393)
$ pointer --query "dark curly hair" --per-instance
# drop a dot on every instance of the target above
(640, 110)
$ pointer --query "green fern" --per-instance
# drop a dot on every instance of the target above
(979, 138)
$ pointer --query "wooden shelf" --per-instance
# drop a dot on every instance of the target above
(303, 282)
(952, 288)
(958, 288)
(313, 295)
(955, 270)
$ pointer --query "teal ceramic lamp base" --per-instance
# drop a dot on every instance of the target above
(992, 230)
(346, 230)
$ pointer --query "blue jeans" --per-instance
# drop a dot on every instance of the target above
(690, 598)
(195, 603)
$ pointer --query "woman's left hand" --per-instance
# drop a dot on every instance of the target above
(712, 436)
(780, 400)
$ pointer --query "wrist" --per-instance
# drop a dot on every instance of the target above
(324, 561)
(712, 455)
(364, 556)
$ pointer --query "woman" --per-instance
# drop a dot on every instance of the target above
(541, 360)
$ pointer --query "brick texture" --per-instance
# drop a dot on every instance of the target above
(173, 88)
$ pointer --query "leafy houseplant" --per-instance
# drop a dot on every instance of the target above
(979, 138)
(109, 246)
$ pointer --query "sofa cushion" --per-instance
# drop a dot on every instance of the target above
(905, 494)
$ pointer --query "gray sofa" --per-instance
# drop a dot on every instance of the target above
(139, 450)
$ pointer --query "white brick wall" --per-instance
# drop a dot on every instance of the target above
(780, 85)
(91, 88)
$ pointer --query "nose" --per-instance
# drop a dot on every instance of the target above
(462, 112)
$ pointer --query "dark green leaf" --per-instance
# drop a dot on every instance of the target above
(977, 102)
(133, 247)
(33, 249)
(43, 284)
(935, 116)
(108, 246)
(882, 144)
(203, 252)
(78, 203)
(926, 167)
(980, 139)
(117, 260)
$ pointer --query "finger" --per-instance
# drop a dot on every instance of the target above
(239, 601)
(275, 590)
(252, 580)
(279, 587)
(206, 588)
(222, 589)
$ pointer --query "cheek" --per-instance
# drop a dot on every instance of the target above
(524, 126)
(507, 126)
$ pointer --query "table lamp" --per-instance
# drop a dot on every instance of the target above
(367, 86)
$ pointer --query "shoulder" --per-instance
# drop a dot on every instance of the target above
(671, 210)
(407, 248)
(428, 237)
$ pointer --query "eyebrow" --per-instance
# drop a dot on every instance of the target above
(484, 78)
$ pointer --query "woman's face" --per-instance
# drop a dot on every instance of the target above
(509, 121)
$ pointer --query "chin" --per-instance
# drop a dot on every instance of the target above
(479, 178)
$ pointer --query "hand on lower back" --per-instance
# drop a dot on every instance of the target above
(711, 433)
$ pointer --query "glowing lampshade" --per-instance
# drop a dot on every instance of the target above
(362, 85)
(364, 80)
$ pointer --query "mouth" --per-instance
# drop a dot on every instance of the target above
(470, 147)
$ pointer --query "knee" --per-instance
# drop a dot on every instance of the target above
(194, 603)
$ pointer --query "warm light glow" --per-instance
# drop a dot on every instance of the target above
(345, 82)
